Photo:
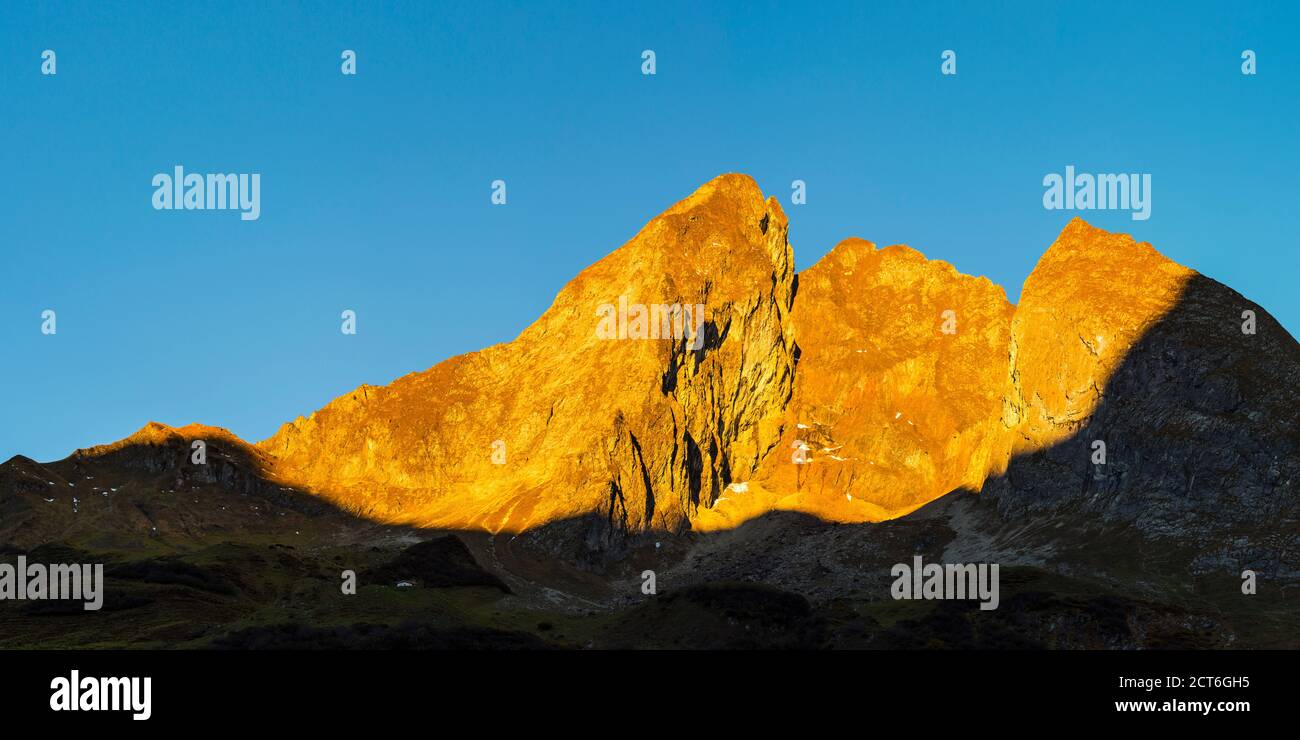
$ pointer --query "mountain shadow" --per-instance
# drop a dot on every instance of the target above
(1200, 424)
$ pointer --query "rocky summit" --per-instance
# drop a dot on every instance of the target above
(1124, 445)
(691, 381)
(615, 436)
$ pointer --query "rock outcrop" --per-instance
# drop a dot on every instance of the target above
(1140, 395)
(587, 416)
(898, 393)
(689, 380)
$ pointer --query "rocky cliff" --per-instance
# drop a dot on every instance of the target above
(690, 380)
(1146, 394)
(659, 375)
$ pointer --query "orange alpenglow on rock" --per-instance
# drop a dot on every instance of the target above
(629, 434)
(874, 382)
(898, 391)
(1089, 299)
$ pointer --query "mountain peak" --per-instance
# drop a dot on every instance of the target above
(156, 433)
(733, 187)
(895, 377)
(634, 424)
(1082, 249)
(18, 461)
(1106, 291)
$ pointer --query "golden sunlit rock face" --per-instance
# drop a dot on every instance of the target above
(1089, 299)
(572, 421)
(898, 391)
(689, 380)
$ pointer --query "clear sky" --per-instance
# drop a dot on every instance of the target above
(375, 188)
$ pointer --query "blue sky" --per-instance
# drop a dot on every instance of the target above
(375, 188)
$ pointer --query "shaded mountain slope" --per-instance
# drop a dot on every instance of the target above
(145, 493)
(826, 426)
(1115, 345)
(872, 383)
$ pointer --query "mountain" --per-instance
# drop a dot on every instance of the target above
(691, 404)
(898, 391)
(858, 390)
(145, 491)
(616, 436)
(1115, 344)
